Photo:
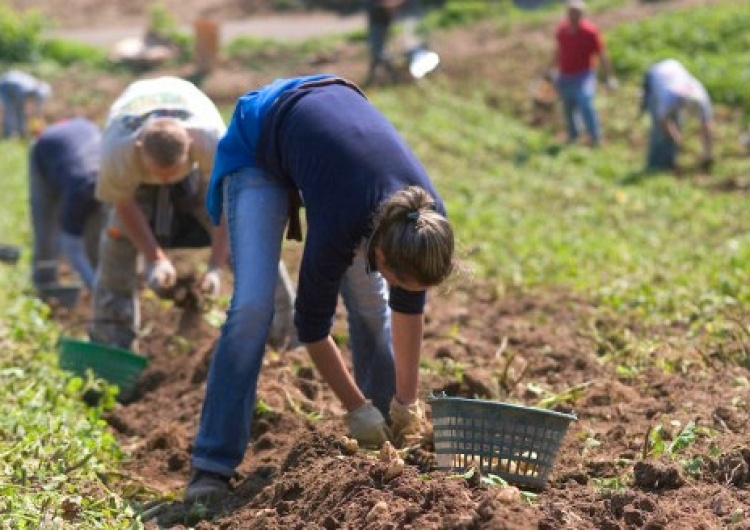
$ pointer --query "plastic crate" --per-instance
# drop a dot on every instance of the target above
(58, 294)
(519, 444)
(118, 366)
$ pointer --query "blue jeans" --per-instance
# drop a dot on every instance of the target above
(256, 206)
(14, 111)
(577, 94)
(45, 208)
(662, 151)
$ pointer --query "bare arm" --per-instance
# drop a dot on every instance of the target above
(672, 130)
(707, 139)
(138, 230)
(609, 70)
(553, 65)
(407, 348)
(327, 358)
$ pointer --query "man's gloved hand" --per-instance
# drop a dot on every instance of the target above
(161, 275)
(367, 425)
(408, 423)
(612, 83)
(211, 282)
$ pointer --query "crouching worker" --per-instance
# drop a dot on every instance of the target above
(157, 154)
(65, 215)
(19, 93)
(376, 233)
(669, 89)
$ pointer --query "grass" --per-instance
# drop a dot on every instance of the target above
(711, 40)
(55, 452)
(528, 213)
(576, 216)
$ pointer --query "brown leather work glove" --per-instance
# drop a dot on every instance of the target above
(408, 423)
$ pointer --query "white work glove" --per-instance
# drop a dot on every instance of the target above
(211, 282)
(408, 423)
(612, 83)
(367, 425)
(161, 275)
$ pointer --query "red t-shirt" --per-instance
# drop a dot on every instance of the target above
(577, 50)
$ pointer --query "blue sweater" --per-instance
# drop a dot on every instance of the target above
(345, 158)
(67, 155)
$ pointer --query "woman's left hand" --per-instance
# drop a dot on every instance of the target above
(408, 423)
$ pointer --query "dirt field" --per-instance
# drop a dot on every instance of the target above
(480, 342)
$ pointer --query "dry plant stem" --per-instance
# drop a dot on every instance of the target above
(326, 357)
(646, 444)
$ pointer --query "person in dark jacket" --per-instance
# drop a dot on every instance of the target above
(376, 233)
(64, 165)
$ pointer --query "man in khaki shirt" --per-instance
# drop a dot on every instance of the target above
(157, 155)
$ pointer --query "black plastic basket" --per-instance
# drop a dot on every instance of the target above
(59, 294)
(518, 444)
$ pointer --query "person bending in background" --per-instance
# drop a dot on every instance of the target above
(65, 215)
(376, 233)
(158, 150)
(668, 88)
(18, 90)
(579, 44)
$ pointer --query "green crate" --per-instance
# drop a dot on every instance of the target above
(516, 443)
(118, 366)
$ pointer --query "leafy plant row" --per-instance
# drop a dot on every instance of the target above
(712, 42)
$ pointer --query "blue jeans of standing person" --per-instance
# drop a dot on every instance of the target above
(379, 22)
(577, 95)
(256, 206)
(662, 151)
(14, 110)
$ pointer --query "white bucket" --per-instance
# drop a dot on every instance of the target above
(422, 62)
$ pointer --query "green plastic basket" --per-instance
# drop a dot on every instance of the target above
(118, 366)
(518, 444)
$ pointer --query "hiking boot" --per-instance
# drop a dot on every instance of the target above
(206, 487)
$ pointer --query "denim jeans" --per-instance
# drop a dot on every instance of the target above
(662, 151)
(378, 29)
(115, 308)
(45, 205)
(577, 94)
(256, 206)
(14, 111)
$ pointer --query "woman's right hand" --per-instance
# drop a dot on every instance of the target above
(367, 425)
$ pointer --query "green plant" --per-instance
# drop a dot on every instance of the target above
(65, 53)
(658, 440)
(300, 410)
(709, 40)
(20, 34)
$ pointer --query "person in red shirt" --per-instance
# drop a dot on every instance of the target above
(579, 45)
